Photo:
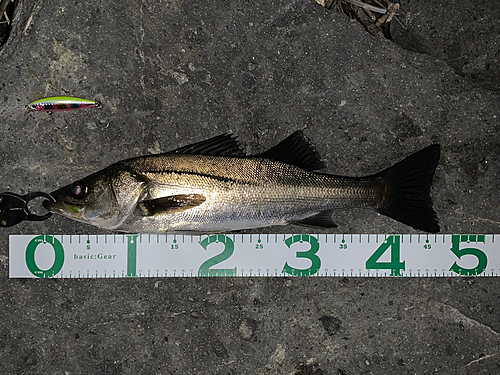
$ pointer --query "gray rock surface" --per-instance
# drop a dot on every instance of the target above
(466, 35)
(170, 73)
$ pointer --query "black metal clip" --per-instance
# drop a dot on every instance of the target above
(14, 208)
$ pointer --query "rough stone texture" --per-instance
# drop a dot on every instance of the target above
(170, 73)
(466, 35)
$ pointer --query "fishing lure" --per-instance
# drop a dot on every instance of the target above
(61, 103)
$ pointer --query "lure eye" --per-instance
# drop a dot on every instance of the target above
(78, 189)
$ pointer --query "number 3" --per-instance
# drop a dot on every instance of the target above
(310, 254)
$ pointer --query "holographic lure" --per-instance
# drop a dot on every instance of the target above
(61, 103)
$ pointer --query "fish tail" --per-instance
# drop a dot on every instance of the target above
(407, 195)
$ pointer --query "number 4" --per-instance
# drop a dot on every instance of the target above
(395, 265)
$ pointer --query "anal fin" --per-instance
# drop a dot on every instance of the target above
(320, 220)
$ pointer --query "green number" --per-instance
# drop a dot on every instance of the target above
(132, 255)
(343, 246)
(259, 246)
(395, 265)
(481, 256)
(205, 270)
(310, 254)
(58, 258)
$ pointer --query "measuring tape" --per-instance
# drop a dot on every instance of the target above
(362, 255)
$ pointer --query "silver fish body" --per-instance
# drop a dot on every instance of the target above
(215, 189)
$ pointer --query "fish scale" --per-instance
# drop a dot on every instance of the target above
(246, 184)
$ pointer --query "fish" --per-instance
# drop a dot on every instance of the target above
(213, 187)
(61, 103)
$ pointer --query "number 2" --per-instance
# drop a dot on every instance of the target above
(205, 270)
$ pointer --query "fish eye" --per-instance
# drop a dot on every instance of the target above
(78, 189)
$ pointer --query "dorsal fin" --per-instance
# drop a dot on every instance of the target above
(297, 150)
(221, 145)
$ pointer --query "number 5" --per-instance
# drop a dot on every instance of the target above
(456, 239)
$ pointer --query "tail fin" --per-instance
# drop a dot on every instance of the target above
(407, 197)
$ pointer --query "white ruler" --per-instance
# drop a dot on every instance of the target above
(362, 255)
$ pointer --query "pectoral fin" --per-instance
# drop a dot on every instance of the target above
(321, 220)
(171, 204)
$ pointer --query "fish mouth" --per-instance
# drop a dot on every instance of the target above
(63, 208)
